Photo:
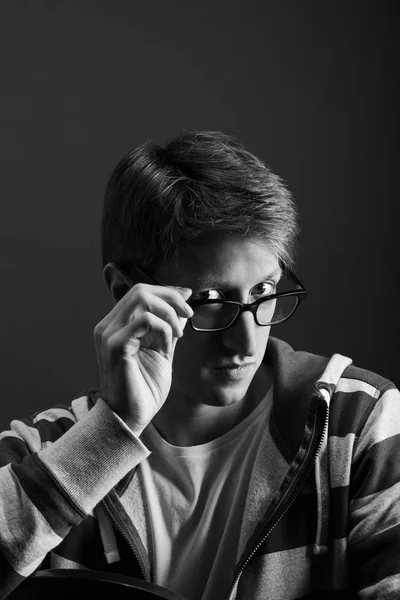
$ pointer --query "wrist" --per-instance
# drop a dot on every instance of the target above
(135, 428)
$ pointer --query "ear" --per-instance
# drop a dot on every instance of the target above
(116, 282)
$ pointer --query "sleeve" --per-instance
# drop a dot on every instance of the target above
(49, 483)
(374, 536)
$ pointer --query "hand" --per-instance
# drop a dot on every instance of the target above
(135, 345)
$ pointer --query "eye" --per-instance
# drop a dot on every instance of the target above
(208, 295)
(265, 288)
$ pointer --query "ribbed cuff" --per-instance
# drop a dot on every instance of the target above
(94, 455)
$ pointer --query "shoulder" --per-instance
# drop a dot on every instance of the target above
(44, 426)
(362, 396)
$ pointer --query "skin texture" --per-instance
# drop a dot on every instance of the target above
(202, 403)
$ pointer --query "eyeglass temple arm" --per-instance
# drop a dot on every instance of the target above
(128, 279)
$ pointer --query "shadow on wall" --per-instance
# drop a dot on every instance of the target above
(52, 299)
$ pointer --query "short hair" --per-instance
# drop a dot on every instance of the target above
(162, 196)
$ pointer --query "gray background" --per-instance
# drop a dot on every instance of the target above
(311, 87)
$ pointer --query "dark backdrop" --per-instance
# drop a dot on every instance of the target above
(311, 87)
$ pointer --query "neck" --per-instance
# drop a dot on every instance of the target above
(183, 423)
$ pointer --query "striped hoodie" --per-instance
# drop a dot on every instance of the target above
(331, 531)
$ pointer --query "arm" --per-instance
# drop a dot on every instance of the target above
(48, 483)
(46, 486)
(374, 537)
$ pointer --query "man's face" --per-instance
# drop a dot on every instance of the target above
(234, 268)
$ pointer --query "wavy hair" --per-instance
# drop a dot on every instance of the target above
(161, 196)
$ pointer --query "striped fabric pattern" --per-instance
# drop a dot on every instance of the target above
(48, 493)
(48, 496)
(363, 559)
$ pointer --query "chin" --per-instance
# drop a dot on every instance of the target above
(215, 390)
(225, 395)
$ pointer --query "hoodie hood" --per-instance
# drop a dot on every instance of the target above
(298, 376)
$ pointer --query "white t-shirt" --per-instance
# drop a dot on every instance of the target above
(195, 497)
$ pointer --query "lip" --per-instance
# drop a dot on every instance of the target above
(233, 372)
(234, 365)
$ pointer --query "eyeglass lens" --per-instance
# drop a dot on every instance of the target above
(216, 316)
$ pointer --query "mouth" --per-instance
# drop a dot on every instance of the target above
(233, 371)
(234, 365)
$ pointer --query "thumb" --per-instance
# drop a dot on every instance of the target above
(184, 292)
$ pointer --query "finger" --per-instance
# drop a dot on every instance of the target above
(142, 298)
(184, 292)
(159, 307)
(148, 331)
(176, 297)
(183, 311)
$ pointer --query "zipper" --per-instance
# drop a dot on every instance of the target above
(112, 512)
(289, 505)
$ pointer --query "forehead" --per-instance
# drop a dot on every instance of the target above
(221, 260)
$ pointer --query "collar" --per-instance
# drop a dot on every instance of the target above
(298, 376)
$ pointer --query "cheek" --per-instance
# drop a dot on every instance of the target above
(193, 352)
(263, 341)
(263, 335)
(186, 364)
(189, 351)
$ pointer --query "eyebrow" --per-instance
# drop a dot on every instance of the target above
(207, 282)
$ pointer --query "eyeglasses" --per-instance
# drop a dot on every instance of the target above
(219, 314)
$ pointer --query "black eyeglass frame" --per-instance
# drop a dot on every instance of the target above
(300, 293)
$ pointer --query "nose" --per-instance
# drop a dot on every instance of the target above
(242, 335)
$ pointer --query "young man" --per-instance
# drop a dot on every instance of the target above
(214, 460)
